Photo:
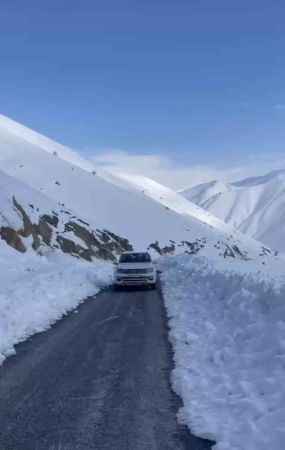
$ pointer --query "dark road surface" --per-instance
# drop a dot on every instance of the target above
(99, 379)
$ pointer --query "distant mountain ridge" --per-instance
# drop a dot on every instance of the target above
(255, 205)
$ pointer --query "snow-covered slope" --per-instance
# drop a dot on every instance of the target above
(100, 202)
(30, 220)
(138, 209)
(12, 133)
(163, 195)
(255, 206)
(202, 192)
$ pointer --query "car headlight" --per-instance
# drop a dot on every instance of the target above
(149, 270)
(120, 271)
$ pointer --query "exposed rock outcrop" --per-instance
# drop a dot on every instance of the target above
(194, 247)
(58, 231)
(12, 238)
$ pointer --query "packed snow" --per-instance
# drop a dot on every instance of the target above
(36, 291)
(228, 331)
(255, 206)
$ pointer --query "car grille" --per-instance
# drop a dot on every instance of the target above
(134, 271)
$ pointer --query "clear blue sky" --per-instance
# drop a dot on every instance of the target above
(188, 78)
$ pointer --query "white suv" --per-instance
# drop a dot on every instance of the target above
(135, 269)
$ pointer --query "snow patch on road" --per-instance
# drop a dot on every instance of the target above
(36, 291)
(228, 332)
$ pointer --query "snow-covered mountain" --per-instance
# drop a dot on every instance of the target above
(202, 192)
(255, 206)
(223, 290)
(134, 208)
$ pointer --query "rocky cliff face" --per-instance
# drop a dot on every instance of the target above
(61, 231)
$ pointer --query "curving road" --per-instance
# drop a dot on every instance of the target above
(99, 379)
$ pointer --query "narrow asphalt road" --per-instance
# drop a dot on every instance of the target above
(99, 379)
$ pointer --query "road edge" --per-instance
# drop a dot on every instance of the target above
(189, 440)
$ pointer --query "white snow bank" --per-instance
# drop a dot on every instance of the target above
(36, 291)
(228, 333)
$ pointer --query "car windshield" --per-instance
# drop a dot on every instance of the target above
(135, 258)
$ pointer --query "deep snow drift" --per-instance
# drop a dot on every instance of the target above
(255, 206)
(38, 290)
(227, 328)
